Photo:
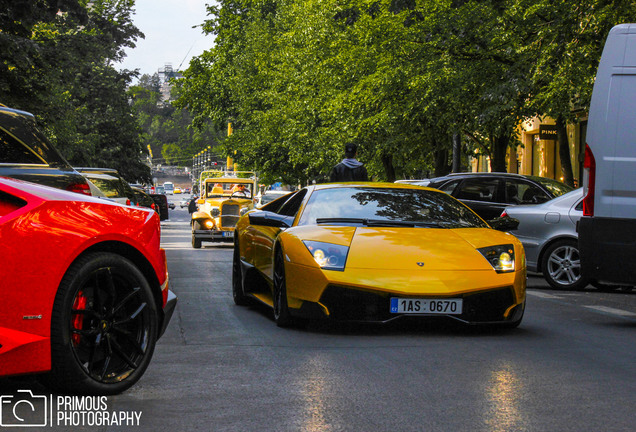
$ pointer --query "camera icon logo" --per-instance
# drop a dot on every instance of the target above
(23, 410)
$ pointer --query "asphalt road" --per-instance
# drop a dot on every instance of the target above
(219, 367)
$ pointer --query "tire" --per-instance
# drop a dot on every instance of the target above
(561, 266)
(240, 299)
(196, 243)
(281, 310)
(104, 326)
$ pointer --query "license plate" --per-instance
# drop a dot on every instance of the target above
(426, 306)
(228, 233)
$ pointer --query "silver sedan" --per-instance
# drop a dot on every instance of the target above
(549, 237)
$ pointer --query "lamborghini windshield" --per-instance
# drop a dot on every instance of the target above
(368, 206)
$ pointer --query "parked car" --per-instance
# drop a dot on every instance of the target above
(84, 288)
(26, 154)
(487, 194)
(115, 188)
(142, 199)
(549, 237)
(418, 182)
(377, 252)
(161, 200)
(269, 196)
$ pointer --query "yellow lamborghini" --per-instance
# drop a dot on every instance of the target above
(377, 252)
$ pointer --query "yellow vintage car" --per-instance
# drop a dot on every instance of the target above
(377, 252)
(224, 198)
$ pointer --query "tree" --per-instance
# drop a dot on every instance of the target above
(64, 75)
(400, 78)
(168, 130)
(566, 46)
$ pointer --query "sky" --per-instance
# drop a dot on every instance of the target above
(170, 38)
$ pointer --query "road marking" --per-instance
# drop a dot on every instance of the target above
(176, 245)
(612, 311)
(542, 294)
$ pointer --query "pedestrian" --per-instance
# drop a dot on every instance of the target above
(192, 205)
(350, 169)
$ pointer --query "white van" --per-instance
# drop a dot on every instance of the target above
(607, 230)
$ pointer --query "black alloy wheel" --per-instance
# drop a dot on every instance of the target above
(104, 326)
(240, 299)
(561, 266)
(281, 311)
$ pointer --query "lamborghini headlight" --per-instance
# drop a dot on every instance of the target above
(502, 257)
(327, 255)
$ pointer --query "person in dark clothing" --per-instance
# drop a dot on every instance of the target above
(350, 169)
(192, 206)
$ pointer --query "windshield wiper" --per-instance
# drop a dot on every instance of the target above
(341, 220)
(377, 222)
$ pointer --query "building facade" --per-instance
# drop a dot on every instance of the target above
(540, 157)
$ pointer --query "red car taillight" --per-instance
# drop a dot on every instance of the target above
(128, 202)
(503, 214)
(82, 188)
(589, 182)
(152, 206)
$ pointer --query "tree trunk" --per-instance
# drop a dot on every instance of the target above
(457, 153)
(499, 148)
(441, 161)
(389, 170)
(564, 152)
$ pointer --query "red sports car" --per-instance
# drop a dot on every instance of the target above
(84, 288)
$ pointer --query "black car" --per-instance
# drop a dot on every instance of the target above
(142, 199)
(487, 194)
(161, 201)
(26, 154)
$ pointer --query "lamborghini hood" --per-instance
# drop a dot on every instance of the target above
(389, 248)
(405, 248)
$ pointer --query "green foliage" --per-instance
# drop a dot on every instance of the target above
(300, 79)
(59, 67)
(167, 129)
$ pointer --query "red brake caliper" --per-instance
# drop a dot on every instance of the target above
(78, 320)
